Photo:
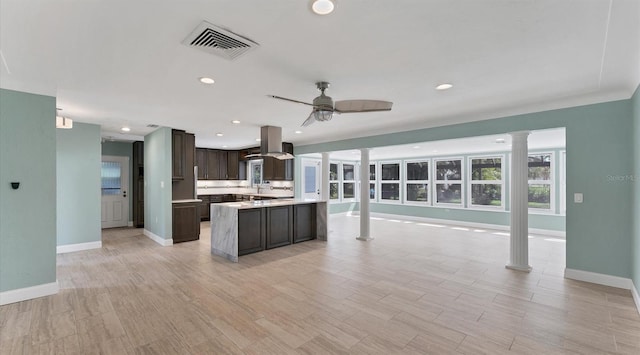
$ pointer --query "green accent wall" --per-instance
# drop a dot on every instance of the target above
(78, 184)
(599, 138)
(122, 149)
(157, 183)
(635, 180)
(28, 214)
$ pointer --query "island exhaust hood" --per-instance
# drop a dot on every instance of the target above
(271, 144)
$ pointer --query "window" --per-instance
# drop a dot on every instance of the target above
(372, 182)
(334, 184)
(540, 179)
(256, 172)
(111, 181)
(390, 182)
(417, 182)
(348, 181)
(448, 184)
(486, 182)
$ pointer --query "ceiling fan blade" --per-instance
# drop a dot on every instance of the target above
(309, 120)
(350, 106)
(290, 100)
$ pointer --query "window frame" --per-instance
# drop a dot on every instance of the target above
(461, 182)
(380, 181)
(472, 182)
(550, 182)
(406, 182)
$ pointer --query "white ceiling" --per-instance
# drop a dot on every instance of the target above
(537, 140)
(119, 62)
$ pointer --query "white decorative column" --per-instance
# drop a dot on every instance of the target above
(519, 257)
(365, 220)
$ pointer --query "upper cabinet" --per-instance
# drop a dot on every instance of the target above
(178, 154)
(216, 164)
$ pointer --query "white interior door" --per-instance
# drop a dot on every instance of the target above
(311, 179)
(115, 191)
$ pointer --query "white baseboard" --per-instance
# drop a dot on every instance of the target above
(551, 233)
(636, 296)
(27, 293)
(158, 239)
(596, 278)
(70, 248)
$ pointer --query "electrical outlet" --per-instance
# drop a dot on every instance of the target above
(578, 198)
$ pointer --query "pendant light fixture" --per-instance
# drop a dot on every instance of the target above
(63, 122)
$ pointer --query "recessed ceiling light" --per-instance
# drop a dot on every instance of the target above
(298, 132)
(235, 121)
(416, 147)
(444, 86)
(435, 151)
(258, 139)
(219, 134)
(206, 80)
(225, 146)
(322, 7)
(500, 140)
(125, 129)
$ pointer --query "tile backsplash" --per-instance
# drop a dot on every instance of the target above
(218, 187)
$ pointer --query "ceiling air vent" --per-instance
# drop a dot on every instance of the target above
(216, 40)
(151, 125)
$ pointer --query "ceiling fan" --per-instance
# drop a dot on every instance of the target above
(324, 107)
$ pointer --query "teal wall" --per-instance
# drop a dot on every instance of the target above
(27, 215)
(78, 184)
(635, 101)
(122, 149)
(598, 141)
(157, 183)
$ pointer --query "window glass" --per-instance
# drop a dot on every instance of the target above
(540, 196)
(333, 171)
(348, 172)
(486, 169)
(540, 167)
(333, 191)
(372, 191)
(449, 170)
(417, 192)
(349, 190)
(486, 194)
(418, 170)
(111, 181)
(372, 172)
(390, 171)
(449, 193)
(390, 191)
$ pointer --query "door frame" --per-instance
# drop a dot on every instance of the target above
(317, 165)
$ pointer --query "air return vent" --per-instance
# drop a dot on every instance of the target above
(213, 39)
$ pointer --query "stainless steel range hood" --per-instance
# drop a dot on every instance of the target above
(271, 144)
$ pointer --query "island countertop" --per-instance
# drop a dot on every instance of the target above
(267, 203)
(239, 228)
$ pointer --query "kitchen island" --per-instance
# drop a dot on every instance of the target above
(239, 228)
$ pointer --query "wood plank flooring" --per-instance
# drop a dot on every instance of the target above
(416, 289)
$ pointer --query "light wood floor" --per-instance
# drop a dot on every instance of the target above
(415, 289)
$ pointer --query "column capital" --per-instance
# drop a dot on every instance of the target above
(519, 134)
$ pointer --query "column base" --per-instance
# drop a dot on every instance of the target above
(364, 239)
(525, 268)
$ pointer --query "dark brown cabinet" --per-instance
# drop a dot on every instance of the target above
(178, 154)
(276, 169)
(279, 223)
(251, 231)
(216, 164)
(186, 222)
(205, 208)
(304, 222)
(138, 184)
